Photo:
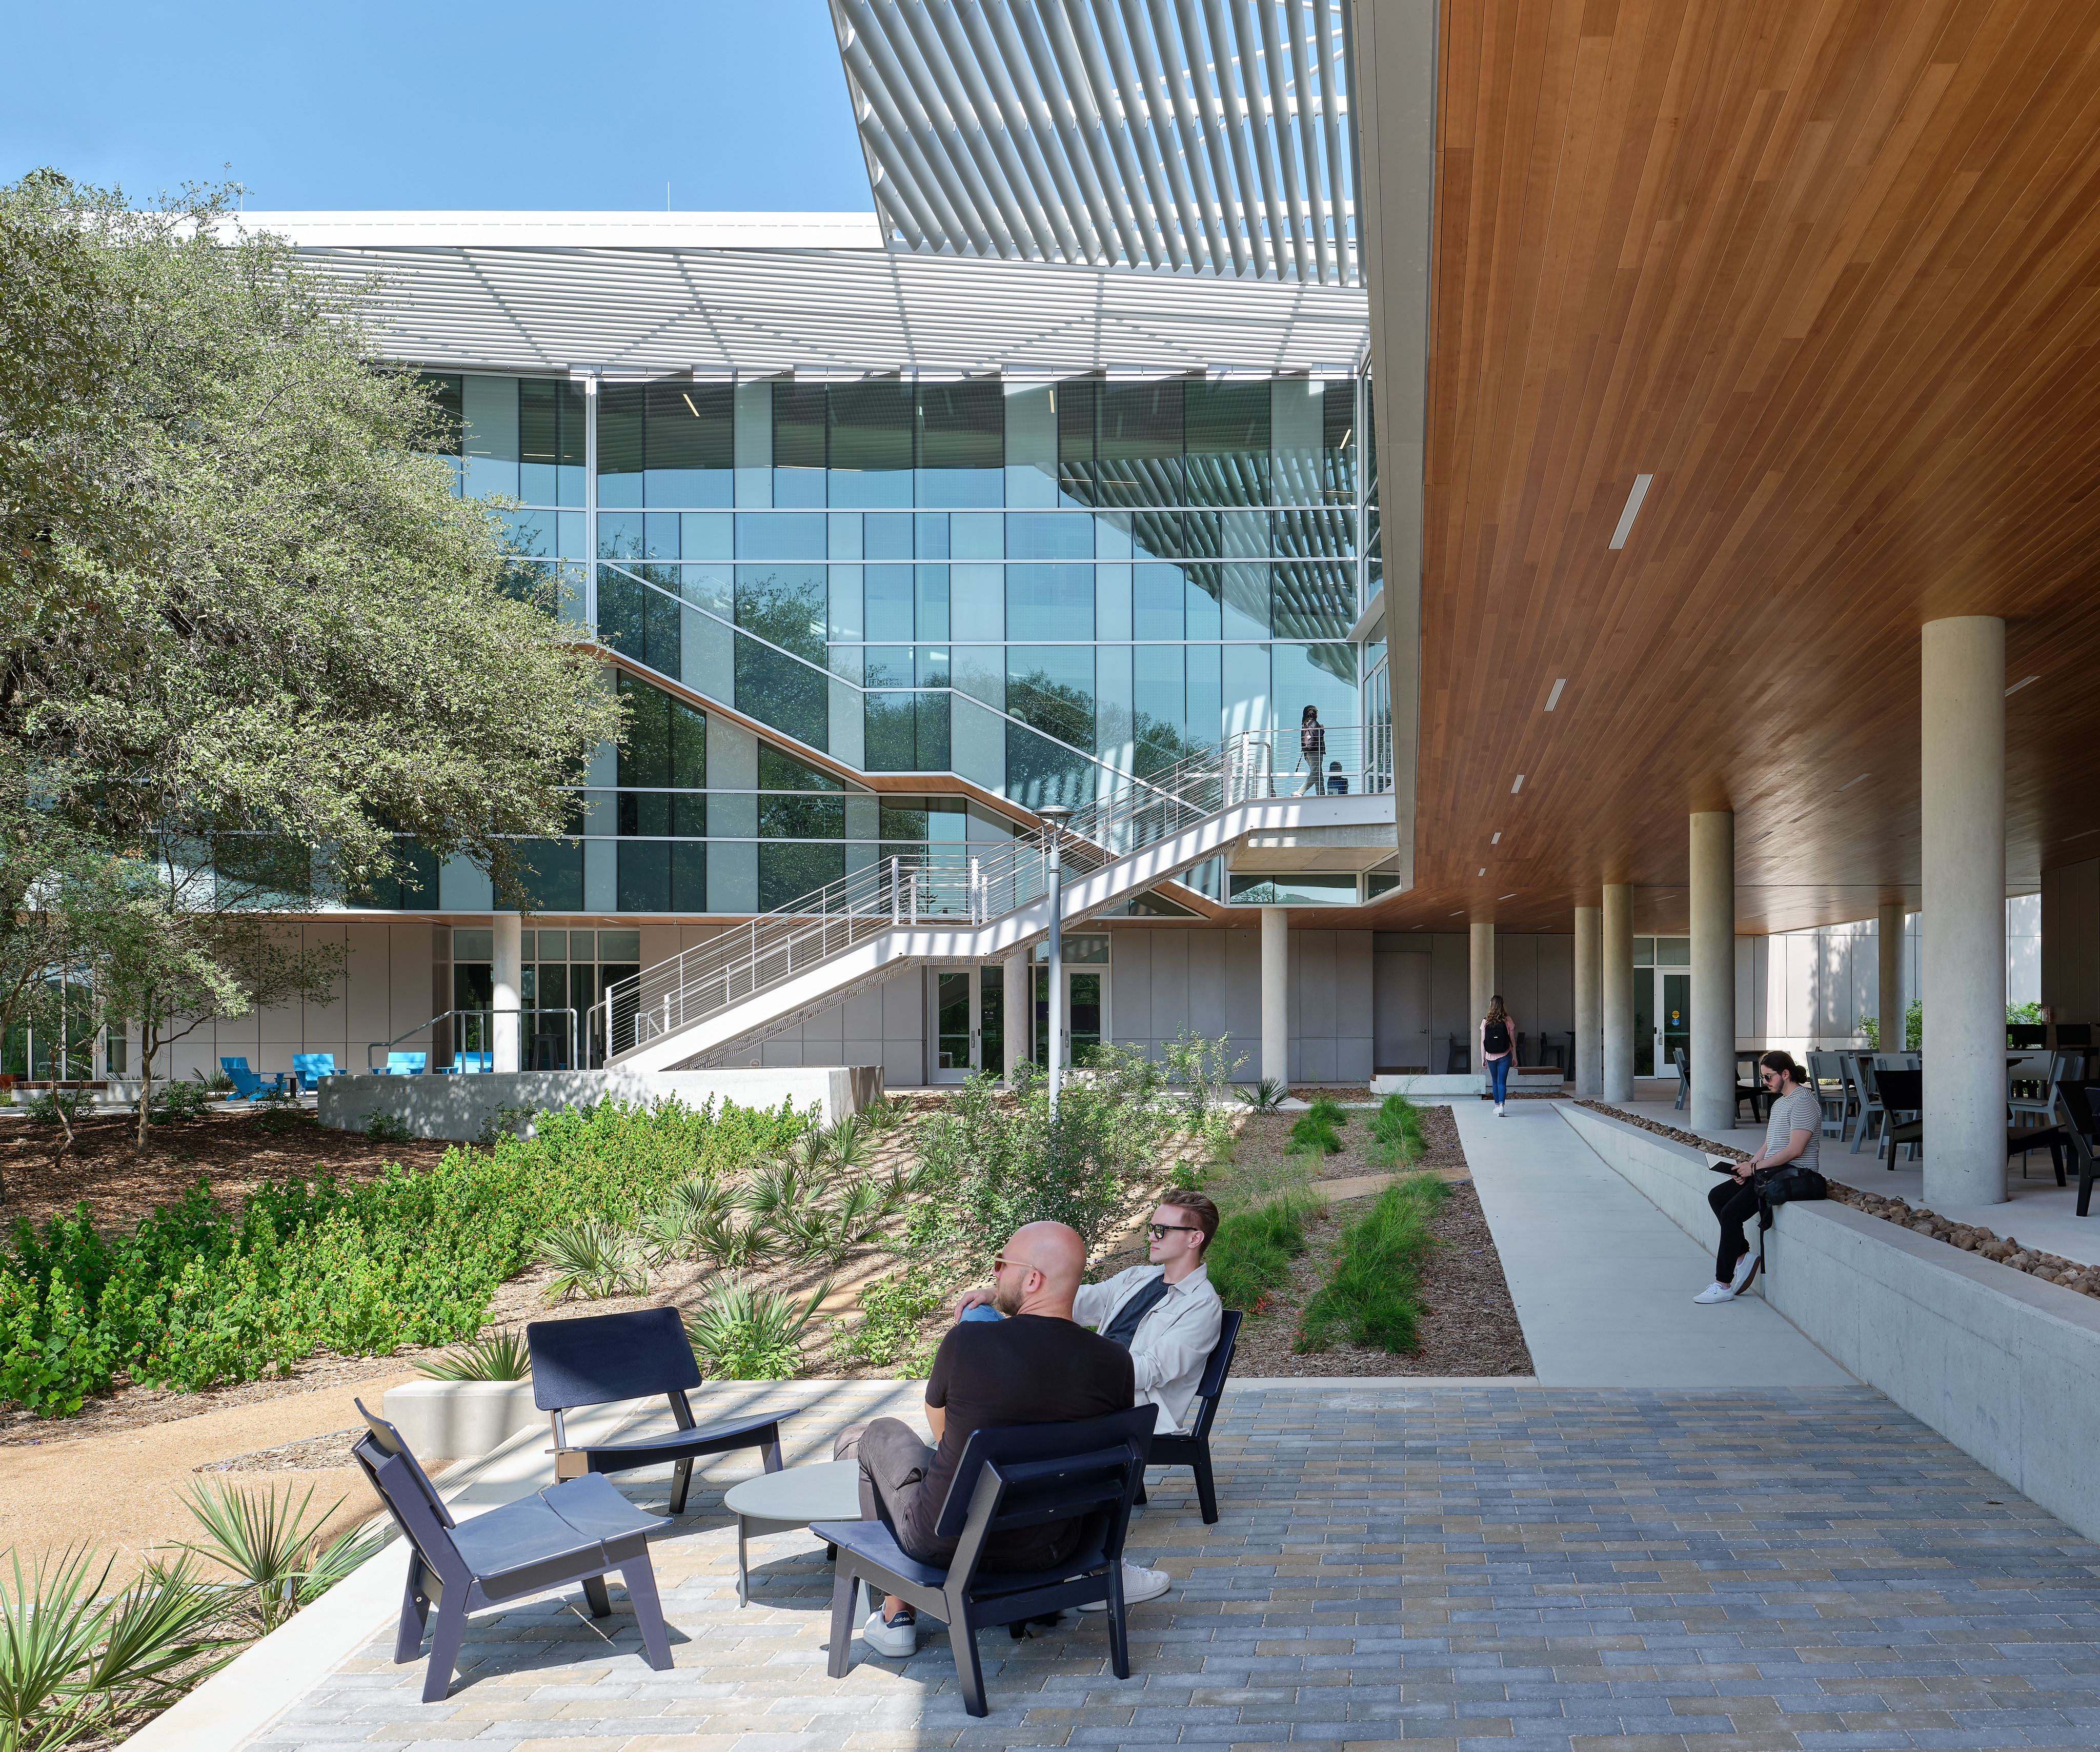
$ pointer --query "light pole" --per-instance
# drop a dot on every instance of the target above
(1054, 816)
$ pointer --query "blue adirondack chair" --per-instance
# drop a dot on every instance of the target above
(1021, 1476)
(577, 1531)
(309, 1068)
(406, 1063)
(246, 1084)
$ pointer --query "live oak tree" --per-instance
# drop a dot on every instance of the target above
(246, 627)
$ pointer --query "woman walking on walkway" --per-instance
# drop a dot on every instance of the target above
(1792, 1132)
(1497, 1037)
(1312, 745)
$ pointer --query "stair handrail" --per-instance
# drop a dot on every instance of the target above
(976, 887)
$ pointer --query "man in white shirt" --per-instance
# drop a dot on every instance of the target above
(1168, 1317)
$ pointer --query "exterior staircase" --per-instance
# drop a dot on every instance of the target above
(713, 1002)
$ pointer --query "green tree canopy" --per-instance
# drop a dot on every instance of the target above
(239, 594)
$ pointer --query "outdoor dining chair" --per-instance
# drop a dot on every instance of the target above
(1825, 1073)
(2030, 1088)
(1024, 1475)
(1873, 1116)
(1902, 1111)
(1192, 1449)
(579, 1531)
(1677, 1057)
(2081, 1107)
(601, 1358)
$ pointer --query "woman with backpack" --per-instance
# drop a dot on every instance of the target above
(1312, 744)
(1497, 1042)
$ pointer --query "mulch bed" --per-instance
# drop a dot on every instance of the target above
(1969, 1237)
(229, 1151)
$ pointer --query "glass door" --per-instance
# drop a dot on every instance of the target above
(1676, 1017)
(1085, 1012)
(969, 1022)
(1644, 1041)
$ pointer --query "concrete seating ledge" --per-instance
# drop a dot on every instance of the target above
(2004, 1366)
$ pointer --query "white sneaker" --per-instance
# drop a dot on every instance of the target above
(1746, 1269)
(898, 1640)
(1716, 1292)
(1499, 1114)
(1139, 1584)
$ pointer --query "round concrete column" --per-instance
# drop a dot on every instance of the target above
(1481, 987)
(1961, 960)
(1890, 1005)
(1589, 1007)
(1618, 990)
(507, 978)
(1276, 994)
(1713, 971)
(1017, 982)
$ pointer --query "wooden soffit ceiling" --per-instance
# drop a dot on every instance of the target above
(1828, 272)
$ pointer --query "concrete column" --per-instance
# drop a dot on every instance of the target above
(1276, 994)
(1618, 992)
(507, 977)
(1018, 982)
(1890, 1010)
(1483, 989)
(1961, 843)
(1589, 1007)
(1713, 1105)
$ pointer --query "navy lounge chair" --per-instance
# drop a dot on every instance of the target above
(2083, 1132)
(1022, 1476)
(1192, 1449)
(575, 1532)
(604, 1358)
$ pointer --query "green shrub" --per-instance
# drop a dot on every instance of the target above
(1314, 1135)
(384, 1128)
(175, 1102)
(993, 1164)
(197, 1294)
(1266, 1096)
(53, 1106)
(886, 1336)
(1396, 1136)
(1251, 1253)
(740, 1334)
(1370, 1297)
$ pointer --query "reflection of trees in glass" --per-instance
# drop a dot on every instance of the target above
(788, 872)
(1057, 708)
(786, 606)
(1161, 744)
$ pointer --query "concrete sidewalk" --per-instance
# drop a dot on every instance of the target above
(1602, 1281)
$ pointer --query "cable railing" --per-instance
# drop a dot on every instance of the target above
(960, 887)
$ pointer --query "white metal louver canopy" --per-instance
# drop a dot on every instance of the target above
(648, 294)
(1203, 136)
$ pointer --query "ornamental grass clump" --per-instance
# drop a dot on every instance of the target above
(1396, 1134)
(744, 1334)
(199, 1294)
(1250, 1256)
(1372, 1296)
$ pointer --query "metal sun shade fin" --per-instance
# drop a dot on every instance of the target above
(1338, 201)
(1226, 92)
(1029, 66)
(1184, 168)
(934, 177)
(1028, 214)
(1218, 146)
(1048, 184)
(1308, 143)
(1274, 143)
(1054, 29)
(1133, 110)
(890, 143)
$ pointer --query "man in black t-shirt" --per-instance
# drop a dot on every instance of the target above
(1035, 1367)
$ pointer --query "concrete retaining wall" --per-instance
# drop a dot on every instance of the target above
(460, 1420)
(2004, 1366)
(458, 1107)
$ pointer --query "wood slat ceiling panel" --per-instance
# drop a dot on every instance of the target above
(1829, 271)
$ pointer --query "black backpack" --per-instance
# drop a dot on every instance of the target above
(1496, 1037)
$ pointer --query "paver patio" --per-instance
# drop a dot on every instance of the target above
(1498, 1566)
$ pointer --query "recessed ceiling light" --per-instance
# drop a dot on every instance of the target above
(1496, 840)
(1518, 786)
(1849, 783)
(1482, 871)
(2016, 686)
(1511, 895)
(1666, 896)
(1553, 699)
(1455, 915)
(1632, 511)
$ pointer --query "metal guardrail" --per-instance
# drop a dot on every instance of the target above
(957, 888)
(486, 1016)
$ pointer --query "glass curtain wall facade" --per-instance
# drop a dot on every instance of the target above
(1036, 586)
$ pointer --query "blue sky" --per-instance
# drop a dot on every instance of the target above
(739, 107)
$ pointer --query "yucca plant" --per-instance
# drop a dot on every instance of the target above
(849, 1144)
(272, 1545)
(743, 1333)
(501, 1356)
(776, 1189)
(593, 1259)
(811, 1152)
(1266, 1096)
(729, 1245)
(71, 1661)
(667, 1230)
